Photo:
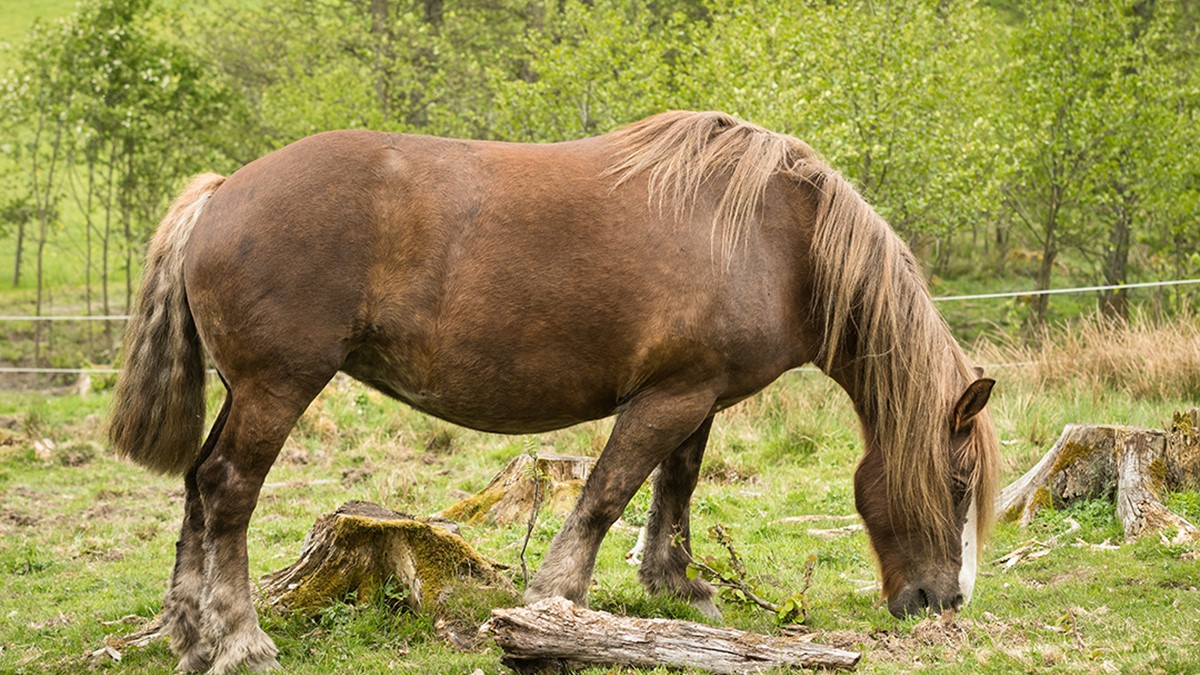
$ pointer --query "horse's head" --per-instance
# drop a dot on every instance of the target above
(928, 544)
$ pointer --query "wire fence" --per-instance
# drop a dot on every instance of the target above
(944, 298)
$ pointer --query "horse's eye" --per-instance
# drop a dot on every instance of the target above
(958, 488)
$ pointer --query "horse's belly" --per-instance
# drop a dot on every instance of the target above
(501, 395)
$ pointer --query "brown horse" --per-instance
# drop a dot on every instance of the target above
(662, 272)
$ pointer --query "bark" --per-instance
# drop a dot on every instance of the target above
(1134, 465)
(362, 546)
(514, 492)
(1141, 477)
(382, 34)
(17, 262)
(1114, 303)
(554, 635)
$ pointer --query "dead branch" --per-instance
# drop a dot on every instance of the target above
(554, 635)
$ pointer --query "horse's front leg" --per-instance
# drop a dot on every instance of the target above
(229, 482)
(668, 549)
(646, 431)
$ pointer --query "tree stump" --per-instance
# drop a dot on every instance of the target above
(553, 480)
(554, 635)
(361, 546)
(1098, 461)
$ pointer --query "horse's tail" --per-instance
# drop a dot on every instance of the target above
(157, 415)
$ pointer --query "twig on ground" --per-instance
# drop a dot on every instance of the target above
(814, 517)
(533, 512)
(1034, 549)
(836, 532)
(733, 576)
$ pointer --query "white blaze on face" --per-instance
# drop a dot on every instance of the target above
(970, 554)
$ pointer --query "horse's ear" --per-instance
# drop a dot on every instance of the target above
(971, 402)
(978, 371)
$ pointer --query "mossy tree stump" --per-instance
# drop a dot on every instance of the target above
(361, 546)
(553, 480)
(1132, 464)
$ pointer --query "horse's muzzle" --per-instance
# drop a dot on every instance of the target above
(916, 598)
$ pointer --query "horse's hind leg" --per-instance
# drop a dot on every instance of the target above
(648, 430)
(181, 606)
(229, 481)
(668, 547)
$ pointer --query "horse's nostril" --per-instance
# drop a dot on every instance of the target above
(957, 601)
(922, 598)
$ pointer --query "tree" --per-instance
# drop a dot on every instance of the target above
(399, 65)
(591, 68)
(101, 88)
(1078, 125)
(39, 97)
(893, 93)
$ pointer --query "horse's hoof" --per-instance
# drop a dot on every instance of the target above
(196, 660)
(707, 607)
(263, 666)
(253, 650)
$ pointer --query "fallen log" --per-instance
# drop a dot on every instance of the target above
(555, 635)
(550, 481)
(1134, 466)
(362, 546)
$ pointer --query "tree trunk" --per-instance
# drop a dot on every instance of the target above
(87, 244)
(17, 262)
(1041, 303)
(105, 245)
(555, 635)
(1097, 461)
(43, 204)
(1116, 263)
(381, 32)
(127, 219)
(362, 546)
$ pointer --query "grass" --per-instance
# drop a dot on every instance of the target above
(86, 541)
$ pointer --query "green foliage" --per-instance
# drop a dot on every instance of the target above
(1094, 135)
(1005, 139)
(737, 585)
(593, 67)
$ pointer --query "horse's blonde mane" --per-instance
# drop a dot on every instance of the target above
(881, 330)
(892, 346)
(679, 151)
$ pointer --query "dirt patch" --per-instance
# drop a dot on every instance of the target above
(952, 637)
(293, 454)
(727, 473)
(356, 475)
(18, 519)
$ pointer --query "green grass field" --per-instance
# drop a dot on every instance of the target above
(86, 542)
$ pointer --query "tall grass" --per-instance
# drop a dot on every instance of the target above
(1151, 360)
